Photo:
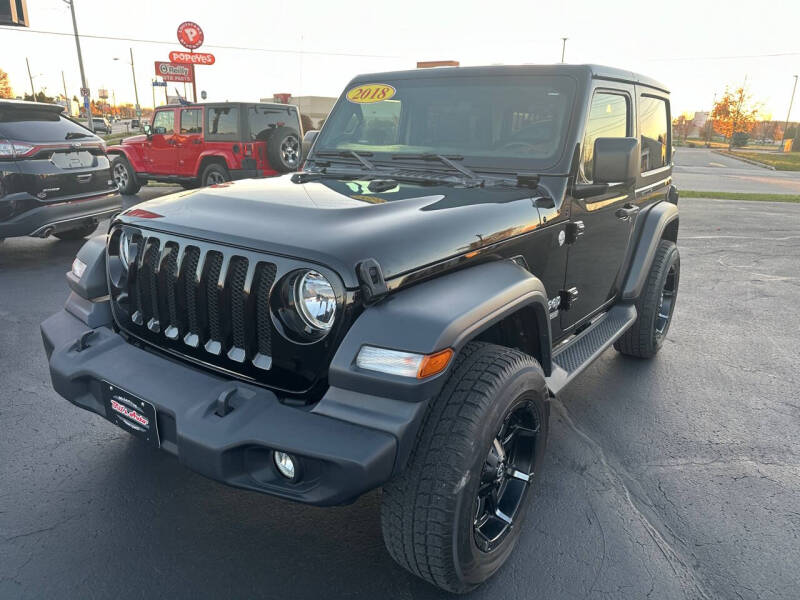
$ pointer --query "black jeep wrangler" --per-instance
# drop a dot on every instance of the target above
(460, 245)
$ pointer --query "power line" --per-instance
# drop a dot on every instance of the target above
(146, 41)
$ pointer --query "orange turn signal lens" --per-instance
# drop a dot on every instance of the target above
(434, 363)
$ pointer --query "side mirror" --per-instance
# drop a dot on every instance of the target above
(616, 160)
(308, 140)
(148, 131)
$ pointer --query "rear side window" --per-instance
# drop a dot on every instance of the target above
(36, 125)
(164, 123)
(264, 120)
(608, 117)
(654, 127)
(223, 122)
(191, 120)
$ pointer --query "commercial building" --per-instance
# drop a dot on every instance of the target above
(315, 107)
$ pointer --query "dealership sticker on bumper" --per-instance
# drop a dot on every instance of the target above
(131, 413)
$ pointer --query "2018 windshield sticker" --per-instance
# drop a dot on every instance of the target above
(370, 92)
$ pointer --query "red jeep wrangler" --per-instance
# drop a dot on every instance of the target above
(204, 144)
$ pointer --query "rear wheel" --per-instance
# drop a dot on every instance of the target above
(78, 233)
(214, 174)
(655, 305)
(454, 515)
(124, 176)
(284, 150)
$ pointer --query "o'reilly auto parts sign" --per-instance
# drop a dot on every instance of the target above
(174, 72)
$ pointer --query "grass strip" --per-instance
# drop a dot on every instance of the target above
(782, 161)
(740, 196)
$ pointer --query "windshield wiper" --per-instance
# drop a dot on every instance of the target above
(349, 154)
(447, 160)
(76, 134)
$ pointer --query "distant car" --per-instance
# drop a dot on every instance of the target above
(207, 144)
(55, 177)
(135, 124)
(101, 125)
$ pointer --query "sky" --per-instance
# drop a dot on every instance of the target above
(695, 47)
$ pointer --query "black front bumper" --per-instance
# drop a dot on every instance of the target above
(60, 216)
(340, 460)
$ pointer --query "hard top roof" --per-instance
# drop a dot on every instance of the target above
(580, 71)
(200, 104)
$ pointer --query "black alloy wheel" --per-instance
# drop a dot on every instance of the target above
(506, 476)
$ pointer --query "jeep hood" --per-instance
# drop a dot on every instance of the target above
(339, 222)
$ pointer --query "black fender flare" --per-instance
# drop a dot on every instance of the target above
(656, 221)
(445, 312)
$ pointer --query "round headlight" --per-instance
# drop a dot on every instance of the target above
(125, 241)
(315, 300)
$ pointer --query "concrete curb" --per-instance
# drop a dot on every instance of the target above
(743, 159)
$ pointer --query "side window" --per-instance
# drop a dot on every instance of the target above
(223, 121)
(191, 120)
(609, 116)
(164, 122)
(654, 127)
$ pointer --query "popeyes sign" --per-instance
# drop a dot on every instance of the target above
(191, 58)
(190, 35)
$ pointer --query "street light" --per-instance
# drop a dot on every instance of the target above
(563, 47)
(135, 89)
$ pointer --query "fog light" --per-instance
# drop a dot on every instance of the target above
(78, 267)
(285, 464)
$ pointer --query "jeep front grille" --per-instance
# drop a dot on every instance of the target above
(212, 303)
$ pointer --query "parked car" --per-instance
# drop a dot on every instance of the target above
(461, 244)
(206, 144)
(101, 125)
(55, 177)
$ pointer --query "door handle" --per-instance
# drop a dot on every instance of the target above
(626, 212)
(171, 142)
(197, 141)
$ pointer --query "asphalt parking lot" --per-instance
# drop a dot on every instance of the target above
(674, 478)
(704, 170)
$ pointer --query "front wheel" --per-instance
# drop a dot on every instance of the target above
(124, 176)
(655, 305)
(454, 515)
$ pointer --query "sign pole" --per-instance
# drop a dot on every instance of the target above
(194, 82)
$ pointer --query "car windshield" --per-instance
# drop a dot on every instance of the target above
(501, 121)
(36, 125)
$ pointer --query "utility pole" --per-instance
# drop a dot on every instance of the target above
(138, 108)
(563, 47)
(788, 114)
(153, 87)
(33, 91)
(87, 99)
(64, 81)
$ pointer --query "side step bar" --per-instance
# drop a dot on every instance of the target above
(578, 353)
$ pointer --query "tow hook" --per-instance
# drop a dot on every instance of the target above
(83, 341)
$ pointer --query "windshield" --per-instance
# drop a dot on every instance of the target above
(509, 122)
(36, 125)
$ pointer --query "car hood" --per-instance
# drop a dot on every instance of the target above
(339, 223)
(134, 139)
